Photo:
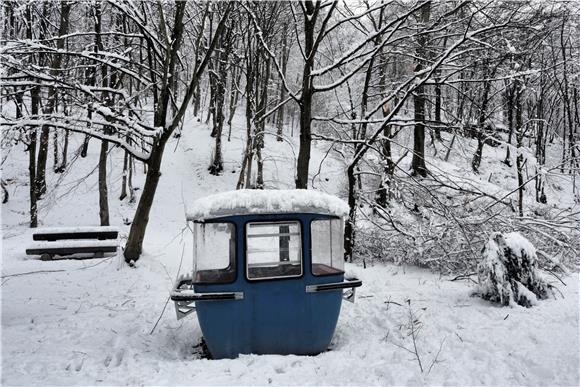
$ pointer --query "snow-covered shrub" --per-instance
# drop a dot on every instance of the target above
(508, 273)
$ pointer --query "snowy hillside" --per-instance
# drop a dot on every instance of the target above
(100, 322)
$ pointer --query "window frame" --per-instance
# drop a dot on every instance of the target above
(233, 260)
(273, 222)
(327, 218)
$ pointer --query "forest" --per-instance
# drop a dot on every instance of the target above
(439, 123)
(354, 76)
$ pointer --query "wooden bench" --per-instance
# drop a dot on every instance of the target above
(64, 241)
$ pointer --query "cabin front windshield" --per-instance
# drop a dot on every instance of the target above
(273, 250)
(214, 252)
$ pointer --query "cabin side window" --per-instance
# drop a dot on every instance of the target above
(215, 252)
(327, 251)
(273, 250)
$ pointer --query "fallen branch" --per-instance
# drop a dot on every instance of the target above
(32, 272)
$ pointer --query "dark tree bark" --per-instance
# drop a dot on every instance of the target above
(64, 158)
(540, 149)
(349, 227)
(141, 219)
(55, 152)
(34, 110)
(50, 107)
(438, 122)
(519, 143)
(234, 95)
(311, 10)
(418, 166)
(438, 98)
(246, 169)
(284, 59)
(223, 54)
(483, 129)
(125, 175)
(134, 244)
(197, 101)
(261, 124)
(568, 116)
(510, 122)
(103, 189)
(384, 190)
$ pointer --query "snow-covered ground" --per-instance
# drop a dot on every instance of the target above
(95, 322)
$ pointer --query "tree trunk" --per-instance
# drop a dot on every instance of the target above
(246, 169)
(32, 175)
(197, 101)
(510, 119)
(349, 231)
(234, 95)
(65, 7)
(41, 162)
(349, 226)
(261, 126)
(418, 166)
(130, 180)
(519, 141)
(103, 192)
(283, 92)
(125, 173)
(223, 63)
(438, 97)
(55, 153)
(305, 104)
(384, 190)
(64, 162)
(482, 128)
(134, 245)
(418, 162)
(540, 150)
(438, 122)
(34, 110)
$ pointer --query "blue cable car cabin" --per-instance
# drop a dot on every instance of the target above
(268, 271)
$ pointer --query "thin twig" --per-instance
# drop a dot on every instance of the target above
(32, 272)
(414, 335)
(436, 356)
(169, 297)
(161, 315)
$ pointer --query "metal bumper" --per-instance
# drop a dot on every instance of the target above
(349, 284)
(185, 298)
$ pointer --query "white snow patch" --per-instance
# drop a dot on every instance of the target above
(520, 245)
(73, 229)
(92, 323)
(247, 201)
(69, 243)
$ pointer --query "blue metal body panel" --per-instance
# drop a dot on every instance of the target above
(276, 316)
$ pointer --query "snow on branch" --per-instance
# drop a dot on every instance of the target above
(508, 273)
(133, 141)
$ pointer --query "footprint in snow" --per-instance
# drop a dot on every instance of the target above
(108, 360)
(118, 359)
(77, 367)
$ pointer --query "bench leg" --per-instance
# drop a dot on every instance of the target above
(46, 257)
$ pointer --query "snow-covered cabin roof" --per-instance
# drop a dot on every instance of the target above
(250, 201)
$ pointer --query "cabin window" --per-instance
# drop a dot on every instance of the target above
(215, 252)
(326, 236)
(273, 250)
